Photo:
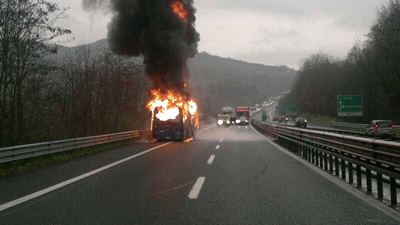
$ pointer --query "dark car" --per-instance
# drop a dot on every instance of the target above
(242, 120)
(283, 119)
(275, 119)
(381, 128)
(300, 122)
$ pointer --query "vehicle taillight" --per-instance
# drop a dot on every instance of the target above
(376, 126)
(392, 125)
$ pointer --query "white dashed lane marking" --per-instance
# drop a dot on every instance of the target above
(211, 159)
(217, 147)
(221, 140)
(194, 193)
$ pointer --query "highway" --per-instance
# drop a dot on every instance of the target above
(227, 176)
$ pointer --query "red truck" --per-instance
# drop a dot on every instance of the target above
(242, 115)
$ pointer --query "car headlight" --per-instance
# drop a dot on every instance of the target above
(247, 121)
(220, 122)
(228, 122)
(238, 121)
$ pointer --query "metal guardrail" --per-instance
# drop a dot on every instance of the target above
(355, 126)
(14, 153)
(338, 152)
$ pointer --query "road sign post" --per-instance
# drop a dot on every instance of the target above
(291, 110)
(349, 105)
(264, 115)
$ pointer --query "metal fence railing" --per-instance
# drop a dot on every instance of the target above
(375, 159)
(14, 153)
(355, 126)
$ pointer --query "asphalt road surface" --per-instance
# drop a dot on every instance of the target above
(226, 176)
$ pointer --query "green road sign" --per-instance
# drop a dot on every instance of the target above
(350, 105)
(291, 110)
(264, 115)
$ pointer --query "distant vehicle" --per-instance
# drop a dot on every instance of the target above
(242, 115)
(381, 128)
(283, 119)
(172, 130)
(223, 120)
(276, 119)
(301, 122)
(229, 110)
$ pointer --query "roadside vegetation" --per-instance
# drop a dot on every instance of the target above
(371, 69)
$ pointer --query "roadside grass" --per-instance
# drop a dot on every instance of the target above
(320, 120)
(28, 165)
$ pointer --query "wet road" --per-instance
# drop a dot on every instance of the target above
(227, 176)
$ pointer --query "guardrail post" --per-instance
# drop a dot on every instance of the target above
(312, 155)
(307, 153)
(350, 172)
(343, 164)
(336, 166)
(325, 161)
(379, 183)
(369, 179)
(317, 157)
(320, 158)
(330, 164)
(358, 173)
(393, 187)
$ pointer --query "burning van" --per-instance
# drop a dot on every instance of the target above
(173, 116)
(176, 129)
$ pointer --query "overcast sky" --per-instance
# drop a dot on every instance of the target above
(272, 32)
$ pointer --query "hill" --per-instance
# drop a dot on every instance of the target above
(215, 81)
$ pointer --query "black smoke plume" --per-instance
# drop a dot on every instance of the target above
(152, 29)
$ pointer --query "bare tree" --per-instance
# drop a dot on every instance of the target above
(26, 29)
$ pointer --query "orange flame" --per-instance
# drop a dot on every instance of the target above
(179, 10)
(188, 140)
(169, 106)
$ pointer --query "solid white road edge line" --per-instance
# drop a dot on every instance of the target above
(73, 180)
(194, 193)
(217, 147)
(211, 159)
(375, 203)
